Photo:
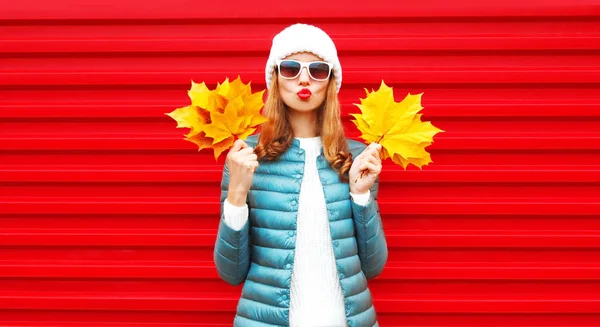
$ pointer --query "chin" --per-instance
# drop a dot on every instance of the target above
(303, 105)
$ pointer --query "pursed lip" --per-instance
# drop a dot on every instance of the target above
(304, 94)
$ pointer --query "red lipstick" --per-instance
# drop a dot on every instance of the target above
(304, 94)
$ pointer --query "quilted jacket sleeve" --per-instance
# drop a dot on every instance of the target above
(232, 248)
(372, 244)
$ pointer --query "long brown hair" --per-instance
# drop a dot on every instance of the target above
(276, 134)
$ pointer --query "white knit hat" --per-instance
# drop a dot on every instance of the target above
(299, 38)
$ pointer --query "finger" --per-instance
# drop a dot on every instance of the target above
(368, 155)
(377, 158)
(376, 148)
(374, 159)
(250, 157)
(368, 165)
(366, 152)
(246, 151)
(372, 167)
(373, 148)
(238, 145)
(251, 165)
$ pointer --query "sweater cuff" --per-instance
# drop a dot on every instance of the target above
(235, 217)
(361, 199)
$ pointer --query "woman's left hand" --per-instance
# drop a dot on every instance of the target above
(368, 163)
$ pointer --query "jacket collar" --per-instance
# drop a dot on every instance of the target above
(295, 143)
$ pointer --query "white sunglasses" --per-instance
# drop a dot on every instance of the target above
(317, 70)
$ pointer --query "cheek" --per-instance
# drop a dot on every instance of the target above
(286, 85)
(285, 88)
(321, 92)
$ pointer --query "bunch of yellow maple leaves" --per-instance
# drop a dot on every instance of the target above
(231, 111)
(216, 118)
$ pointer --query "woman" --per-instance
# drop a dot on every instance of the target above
(300, 222)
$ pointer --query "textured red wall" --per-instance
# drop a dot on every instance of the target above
(108, 216)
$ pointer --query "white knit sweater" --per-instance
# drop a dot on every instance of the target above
(316, 298)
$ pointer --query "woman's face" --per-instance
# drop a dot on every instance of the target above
(302, 93)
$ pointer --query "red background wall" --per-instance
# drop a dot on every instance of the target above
(108, 217)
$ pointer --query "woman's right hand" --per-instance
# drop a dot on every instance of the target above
(242, 163)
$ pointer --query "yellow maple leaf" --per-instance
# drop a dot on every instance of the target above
(190, 117)
(216, 118)
(397, 126)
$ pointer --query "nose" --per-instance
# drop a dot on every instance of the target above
(304, 78)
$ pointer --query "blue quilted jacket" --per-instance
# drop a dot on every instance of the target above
(262, 252)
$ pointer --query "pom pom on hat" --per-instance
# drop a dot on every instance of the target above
(303, 38)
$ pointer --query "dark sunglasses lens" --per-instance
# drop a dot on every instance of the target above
(289, 68)
(319, 70)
